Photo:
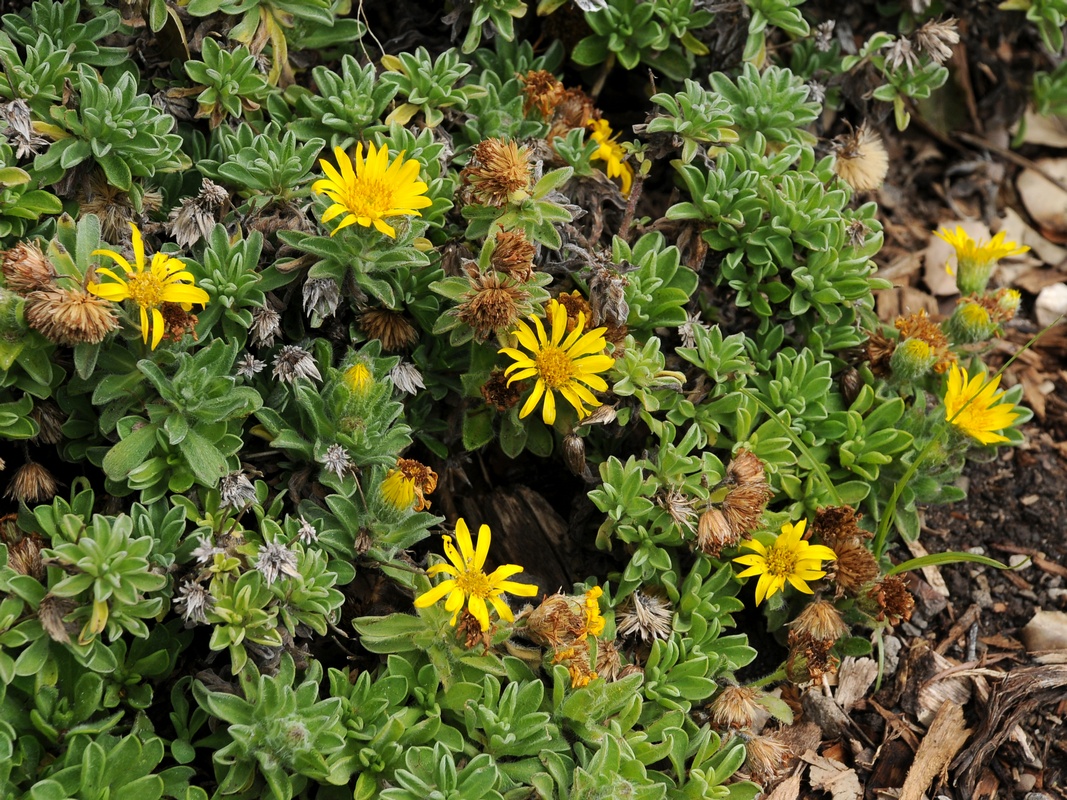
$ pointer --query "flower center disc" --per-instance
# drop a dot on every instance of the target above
(554, 366)
(370, 198)
(145, 289)
(781, 561)
(474, 582)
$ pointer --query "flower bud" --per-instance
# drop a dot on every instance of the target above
(574, 453)
(970, 323)
(912, 359)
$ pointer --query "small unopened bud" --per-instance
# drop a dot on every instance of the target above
(912, 359)
(574, 453)
(601, 415)
(1007, 303)
(970, 323)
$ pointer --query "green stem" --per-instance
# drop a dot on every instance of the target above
(778, 675)
(816, 467)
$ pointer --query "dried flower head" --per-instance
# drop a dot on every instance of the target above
(901, 53)
(468, 583)
(177, 322)
(611, 153)
(294, 362)
(24, 556)
(746, 468)
(855, 567)
(205, 550)
(824, 35)
(164, 280)
(248, 366)
(919, 326)
(31, 483)
(687, 330)
(513, 255)
(744, 505)
(389, 327)
(735, 707)
(645, 616)
(936, 37)
(409, 483)
(572, 111)
(367, 192)
(568, 364)
(893, 600)
(608, 661)
(337, 460)
(26, 268)
(577, 663)
(70, 316)
(266, 325)
(861, 159)
(574, 453)
(557, 620)
(52, 612)
(501, 393)
(321, 297)
(114, 207)
(493, 303)
(276, 559)
(498, 173)
(679, 507)
(193, 218)
(714, 532)
(809, 660)
(307, 533)
(406, 377)
(791, 559)
(766, 757)
(193, 602)
(820, 622)
(236, 491)
(19, 129)
(543, 91)
(972, 406)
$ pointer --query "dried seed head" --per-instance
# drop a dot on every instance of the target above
(574, 453)
(558, 620)
(679, 508)
(50, 613)
(766, 757)
(601, 415)
(406, 377)
(734, 707)
(498, 394)
(49, 419)
(687, 330)
(894, 601)
(248, 366)
(294, 362)
(862, 161)
(114, 207)
(70, 316)
(879, 349)
(744, 505)
(389, 327)
(236, 491)
(20, 132)
(26, 268)
(808, 661)
(276, 559)
(307, 533)
(193, 219)
(745, 468)
(494, 303)
(646, 617)
(824, 35)
(266, 325)
(31, 483)
(337, 460)
(936, 37)
(572, 111)
(857, 232)
(901, 53)
(714, 533)
(513, 255)
(608, 661)
(836, 524)
(193, 602)
(818, 622)
(607, 297)
(24, 556)
(543, 91)
(321, 297)
(177, 322)
(498, 173)
(575, 304)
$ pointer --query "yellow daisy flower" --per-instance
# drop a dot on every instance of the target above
(975, 261)
(972, 406)
(568, 365)
(358, 378)
(790, 559)
(409, 483)
(373, 190)
(611, 152)
(165, 280)
(468, 582)
(594, 620)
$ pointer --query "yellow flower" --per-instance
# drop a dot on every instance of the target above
(373, 190)
(790, 559)
(976, 261)
(559, 364)
(468, 582)
(972, 406)
(611, 152)
(594, 622)
(358, 377)
(408, 482)
(164, 281)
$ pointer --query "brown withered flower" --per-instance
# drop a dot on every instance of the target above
(50, 613)
(744, 505)
(513, 255)
(894, 601)
(879, 350)
(543, 91)
(114, 207)
(499, 394)
(390, 327)
(645, 616)
(608, 661)
(559, 619)
(24, 556)
(714, 532)
(31, 483)
(920, 326)
(818, 622)
(734, 707)
(766, 757)
(193, 219)
(26, 268)
(572, 111)
(576, 659)
(498, 172)
(177, 322)
(837, 527)
(836, 524)
(746, 467)
(809, 661)
(861, 159)
(49, 419)
(70, 316)
(494, 302)
(574, 453)
(679, 507)
(575, 304)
